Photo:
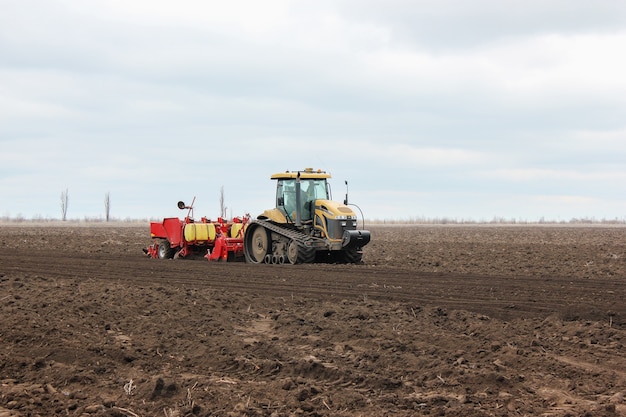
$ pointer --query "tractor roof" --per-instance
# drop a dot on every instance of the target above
(307, 173)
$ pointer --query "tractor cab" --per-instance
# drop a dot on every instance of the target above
(295, 195)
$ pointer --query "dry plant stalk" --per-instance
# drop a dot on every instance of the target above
(126, 412)
(129, 387)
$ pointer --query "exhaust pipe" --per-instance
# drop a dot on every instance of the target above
(298, 202)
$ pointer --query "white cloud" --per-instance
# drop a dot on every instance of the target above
(412, 156)
(539, 174)
(438, 102)
(541, 71)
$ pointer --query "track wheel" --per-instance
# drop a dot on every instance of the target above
(165, 250)
(292, 252)
(256, 245)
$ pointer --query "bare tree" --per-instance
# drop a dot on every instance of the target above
(107, 205)
(64, 201)
(222, 206)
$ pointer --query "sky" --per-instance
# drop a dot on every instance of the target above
(450, 109)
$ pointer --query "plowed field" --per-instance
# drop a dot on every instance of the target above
(440, 320)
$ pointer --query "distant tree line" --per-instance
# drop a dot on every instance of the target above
(65, 202)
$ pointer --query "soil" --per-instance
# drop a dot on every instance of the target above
(440, 320)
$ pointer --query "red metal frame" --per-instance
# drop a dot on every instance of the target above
(224, 247)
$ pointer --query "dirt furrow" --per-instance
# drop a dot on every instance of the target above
(502, 297)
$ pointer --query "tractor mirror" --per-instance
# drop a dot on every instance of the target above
(181, 205)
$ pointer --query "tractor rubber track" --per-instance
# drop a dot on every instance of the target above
(304, 239)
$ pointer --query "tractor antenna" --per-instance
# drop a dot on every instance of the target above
(348, 204)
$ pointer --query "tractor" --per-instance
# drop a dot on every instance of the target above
(306, 225)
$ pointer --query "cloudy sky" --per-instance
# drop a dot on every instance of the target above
(430, 109)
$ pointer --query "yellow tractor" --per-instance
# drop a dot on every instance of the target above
(306, 225)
